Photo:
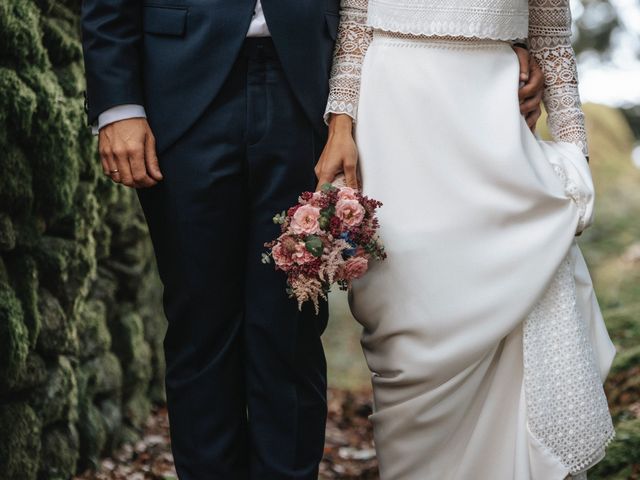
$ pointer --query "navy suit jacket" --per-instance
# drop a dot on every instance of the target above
(172, 56)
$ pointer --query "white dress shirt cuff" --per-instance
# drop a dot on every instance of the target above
(115, 114)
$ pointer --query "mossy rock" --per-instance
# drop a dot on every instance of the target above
(14, 336)
(622, 454)
(7, 233)
(31, 376)
(60, 452)
(93, 334)
(16, 195)
(127, 331)
(67, 269)
(58, 333)
(20, 34)
(20, 442)
(112, 416)
(57, 399)
(102, 375)
(24, 275)
(93, 436)
(137, 408)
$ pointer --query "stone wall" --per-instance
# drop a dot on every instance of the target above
(80, 321)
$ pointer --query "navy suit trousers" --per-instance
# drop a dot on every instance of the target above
(246, 373)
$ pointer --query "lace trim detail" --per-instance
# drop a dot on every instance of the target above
(567, 408)
(575, 193)
(354, 37)
(496, 19)
(550, 44)
(549, 32)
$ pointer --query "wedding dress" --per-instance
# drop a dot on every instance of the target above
(482, 331)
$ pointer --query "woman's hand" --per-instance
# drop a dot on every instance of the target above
(340, 154)
(532, 81)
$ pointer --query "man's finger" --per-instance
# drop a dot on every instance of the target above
(123, 166)
(151, 158)
(112, 166)
(139, 167)
(523, 60)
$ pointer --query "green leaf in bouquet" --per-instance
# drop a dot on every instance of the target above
(328, 187)
(328, 212)
(280, 218)
(324, 222)
(314, 245)
(266, 258)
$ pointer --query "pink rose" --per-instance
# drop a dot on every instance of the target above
(350, 212)
(315, 199)
(281, 256)
(355, 267)
(302, 255)
(305, 220)
(347, 193)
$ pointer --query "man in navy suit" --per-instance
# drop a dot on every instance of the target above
(213, 109)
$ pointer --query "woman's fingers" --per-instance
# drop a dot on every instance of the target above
(532, 118)
(523, 60)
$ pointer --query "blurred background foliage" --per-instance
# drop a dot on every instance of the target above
(80, 321)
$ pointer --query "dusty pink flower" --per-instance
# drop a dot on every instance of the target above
(305, 220)
(347, 193)
(350, 212)
(355, 267)
(314, 199)
(302, 255)
(281, 256)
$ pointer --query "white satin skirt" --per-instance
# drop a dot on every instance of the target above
(482, 332)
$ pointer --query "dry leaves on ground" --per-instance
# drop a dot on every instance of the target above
(348, 453)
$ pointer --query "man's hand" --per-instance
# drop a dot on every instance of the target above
(340, 154)
(128, 153)
(530, 93)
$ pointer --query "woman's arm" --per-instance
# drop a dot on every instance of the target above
(550, 44)
(340, 154)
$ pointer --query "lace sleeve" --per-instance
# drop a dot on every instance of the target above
(352, 43)
(550, 44)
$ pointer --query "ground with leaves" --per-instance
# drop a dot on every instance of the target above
(348, 453)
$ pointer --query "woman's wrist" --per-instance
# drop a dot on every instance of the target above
(340, 123)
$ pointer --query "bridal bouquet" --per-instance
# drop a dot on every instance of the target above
(328, 237)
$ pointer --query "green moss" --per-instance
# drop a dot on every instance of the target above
(102, 375)
(93, 436)
(14, 337)
(24, 276)
(20, 442)
(16, 195)
(58, 333)
(67, 268)
(17, 102)
(52, 150)
(129, 344)
(60, 446)
(92, 329)
(20, 34)
(7, 233)
(61, 42)
(57, 399)
(32, 375)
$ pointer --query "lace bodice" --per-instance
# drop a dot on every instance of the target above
(549, 33)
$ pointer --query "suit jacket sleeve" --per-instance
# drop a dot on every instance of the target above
(111, 41)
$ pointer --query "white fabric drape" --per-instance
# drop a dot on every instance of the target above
(477, 221)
